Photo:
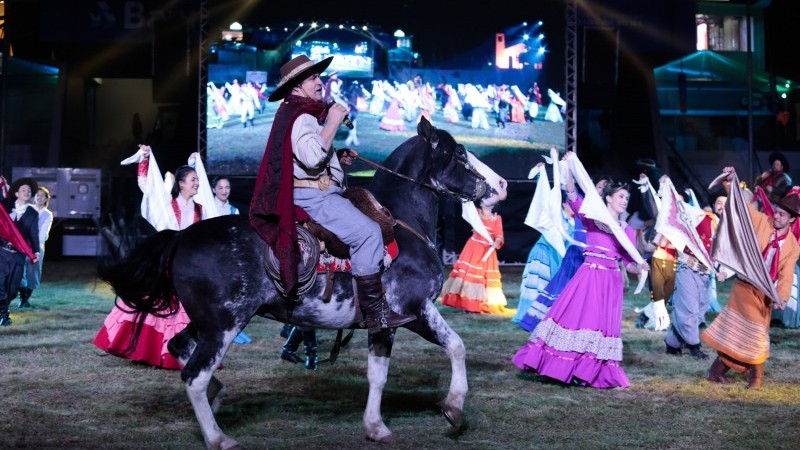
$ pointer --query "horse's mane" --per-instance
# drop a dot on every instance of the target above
(408, 159)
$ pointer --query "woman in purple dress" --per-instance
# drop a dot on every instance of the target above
(579, 340)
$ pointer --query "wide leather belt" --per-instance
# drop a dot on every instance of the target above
(323, 183)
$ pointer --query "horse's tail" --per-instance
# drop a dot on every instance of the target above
(142, 280)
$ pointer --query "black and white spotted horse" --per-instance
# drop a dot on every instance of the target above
(216, 269)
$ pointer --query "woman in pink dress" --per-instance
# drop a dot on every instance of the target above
(151, 347)
(393, 119)
(452, 106)
(579, 340)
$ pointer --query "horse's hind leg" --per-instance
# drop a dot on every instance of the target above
(380, 351)
(431, 325)
(197, 374)
(181, 346)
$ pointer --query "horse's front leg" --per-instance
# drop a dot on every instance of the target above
(198, 374)
(380, 351)
(432, 326)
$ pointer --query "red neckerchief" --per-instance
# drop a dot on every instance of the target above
(198, 211)
(775, 243)
(771, 178)
(272, 206)
(10, 232)
(770, 211)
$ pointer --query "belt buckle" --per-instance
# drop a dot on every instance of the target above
(324, 182)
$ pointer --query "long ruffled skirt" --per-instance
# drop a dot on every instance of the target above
(537, 309)
(114, 337)
(543, 263)
(474, 285)
(579, 340)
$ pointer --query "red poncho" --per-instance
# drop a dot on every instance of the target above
(272, 212)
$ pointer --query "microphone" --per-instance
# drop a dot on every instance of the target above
(346, 121)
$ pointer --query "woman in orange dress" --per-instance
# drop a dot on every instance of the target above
(474, 284)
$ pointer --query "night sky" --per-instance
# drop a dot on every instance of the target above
(441, 30)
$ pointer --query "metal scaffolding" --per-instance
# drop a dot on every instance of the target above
(571, 61)
(202, 74)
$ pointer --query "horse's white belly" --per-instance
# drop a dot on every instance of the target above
(333, 314)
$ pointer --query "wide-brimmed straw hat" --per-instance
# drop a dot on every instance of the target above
(18, 183)
(791, 202)
(295, 71)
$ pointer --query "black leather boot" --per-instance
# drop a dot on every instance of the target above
(696, 352)
(310, 349)
(716, 374)
(5, 320)
(756, 376)
(287, 328)
(288, 352)
(372, 300)
(24, 296)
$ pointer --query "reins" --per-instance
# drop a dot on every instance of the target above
(375, 165)
(397, 174)
(416, 233)
(403, 224)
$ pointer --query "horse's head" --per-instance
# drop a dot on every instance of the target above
(449, 166)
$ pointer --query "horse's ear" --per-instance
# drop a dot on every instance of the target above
(427, 131)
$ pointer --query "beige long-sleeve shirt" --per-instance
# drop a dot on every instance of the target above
(311, 158)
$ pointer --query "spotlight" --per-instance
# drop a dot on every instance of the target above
(524, 24)
(541, 35)
(525, 37)
(313, 24)
(341, 27)
(364, 28)
(541, 23)
(540, 51)
(285, 29)
(783, 96)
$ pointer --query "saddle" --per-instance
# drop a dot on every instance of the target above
(321, 251)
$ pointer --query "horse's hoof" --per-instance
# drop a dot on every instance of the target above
(452, 415)
(226, 443)
(388, 439)
(230, 444)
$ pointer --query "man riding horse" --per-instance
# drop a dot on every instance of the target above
(299, 168)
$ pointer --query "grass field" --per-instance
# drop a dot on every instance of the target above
(60, 392)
